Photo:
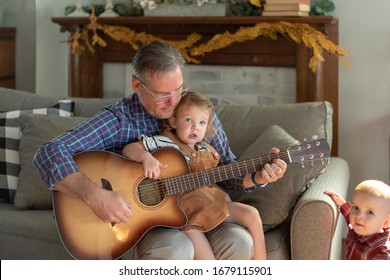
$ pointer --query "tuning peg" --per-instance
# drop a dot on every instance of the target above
(314, 137)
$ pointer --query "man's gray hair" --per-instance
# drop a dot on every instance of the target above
(156, 58)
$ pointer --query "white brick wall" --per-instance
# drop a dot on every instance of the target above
(223, 84)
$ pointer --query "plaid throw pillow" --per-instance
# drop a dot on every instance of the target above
(9, 144)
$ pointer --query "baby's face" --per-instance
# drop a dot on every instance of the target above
(369, 214)
(191, 123)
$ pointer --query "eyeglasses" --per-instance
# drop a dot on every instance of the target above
(160, 97)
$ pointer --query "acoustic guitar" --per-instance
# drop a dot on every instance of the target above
(155, 203)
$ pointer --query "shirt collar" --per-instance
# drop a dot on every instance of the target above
(374, 238)
(136, 109)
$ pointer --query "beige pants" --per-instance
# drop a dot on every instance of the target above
(229, 242)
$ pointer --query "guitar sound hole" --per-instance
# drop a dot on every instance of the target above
(150, 192)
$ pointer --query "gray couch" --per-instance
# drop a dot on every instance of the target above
(300, 221)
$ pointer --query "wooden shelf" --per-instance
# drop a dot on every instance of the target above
(86, 74)
(72, 23)
(7, 57)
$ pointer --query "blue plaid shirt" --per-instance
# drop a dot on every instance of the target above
(111, 129)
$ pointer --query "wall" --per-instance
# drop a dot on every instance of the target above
(52, 76)
(364, 90)
(21, 14)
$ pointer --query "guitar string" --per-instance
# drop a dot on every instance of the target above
(181, 183)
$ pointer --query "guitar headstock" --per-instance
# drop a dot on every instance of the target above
(310, 151)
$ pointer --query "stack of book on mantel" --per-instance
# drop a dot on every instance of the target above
(286, 8)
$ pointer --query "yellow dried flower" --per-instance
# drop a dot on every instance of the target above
(298, 32)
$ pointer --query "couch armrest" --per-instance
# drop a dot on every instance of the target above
(315, 215)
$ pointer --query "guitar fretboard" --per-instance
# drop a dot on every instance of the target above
(178, 184)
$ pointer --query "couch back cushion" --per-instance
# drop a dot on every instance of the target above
(21, 100)
(253, 131)
(243, 124)
(86, 107)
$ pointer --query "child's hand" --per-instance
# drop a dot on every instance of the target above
(152, 167)
(336, 198)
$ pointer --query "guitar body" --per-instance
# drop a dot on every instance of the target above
(85, 236)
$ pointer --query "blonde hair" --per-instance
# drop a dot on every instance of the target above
(197, 99)
(375, 188)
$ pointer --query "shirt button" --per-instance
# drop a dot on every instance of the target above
(194, 154)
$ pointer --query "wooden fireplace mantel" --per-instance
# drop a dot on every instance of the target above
(86, 69)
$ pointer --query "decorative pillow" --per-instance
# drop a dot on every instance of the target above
(9, 144)
(32, 192)
(275, 201)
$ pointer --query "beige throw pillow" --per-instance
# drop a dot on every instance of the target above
(275, 201)
(32, 192)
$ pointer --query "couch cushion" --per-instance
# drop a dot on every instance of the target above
(86, 107)
(300, 120)
(29, 235)
(32, 192)
(275, 201)
(21, 100)
(9, 143)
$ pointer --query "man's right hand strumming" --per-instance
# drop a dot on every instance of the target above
(109, 206)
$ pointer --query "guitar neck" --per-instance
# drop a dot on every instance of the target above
(178, 184)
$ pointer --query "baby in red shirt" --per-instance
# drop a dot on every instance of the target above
(368, 220)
